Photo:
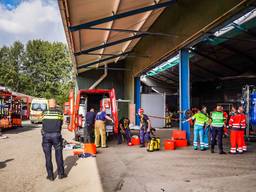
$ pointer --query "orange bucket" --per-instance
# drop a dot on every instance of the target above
(90, 148)
(135, 140)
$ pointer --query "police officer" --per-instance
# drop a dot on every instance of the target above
(51, 131)
(217, 125)
(90, 121)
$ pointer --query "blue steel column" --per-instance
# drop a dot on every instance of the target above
(184, 89)
(137, 99)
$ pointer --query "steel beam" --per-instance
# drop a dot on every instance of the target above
(102, 60)
(112, 54)
(110, 25)
(111, 68)
(184, 87)
(109, 44)
(133, 31)
(121, 15)
(137, 98)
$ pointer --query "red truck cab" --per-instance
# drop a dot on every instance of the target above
(92, 98)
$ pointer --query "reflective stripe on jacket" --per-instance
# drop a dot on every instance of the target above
(238, 121)
(218, 119)
(52, 121)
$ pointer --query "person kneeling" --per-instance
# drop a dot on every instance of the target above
(124, 132)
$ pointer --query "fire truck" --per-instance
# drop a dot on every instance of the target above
(10, 109)
(25, 104)
(87, 99)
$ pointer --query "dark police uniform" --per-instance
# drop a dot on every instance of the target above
(51, 131)
(90, 121)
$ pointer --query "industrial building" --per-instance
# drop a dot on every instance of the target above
(142, 69)
(168, 56)
(196, 53)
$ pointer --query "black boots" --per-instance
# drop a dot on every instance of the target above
(51, 178)
(62, 176)
(212, 149)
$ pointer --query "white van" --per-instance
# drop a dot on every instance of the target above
(38, 106)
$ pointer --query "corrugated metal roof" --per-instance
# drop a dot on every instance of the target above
(96, 47)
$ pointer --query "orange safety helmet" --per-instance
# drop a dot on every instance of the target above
(140, 111)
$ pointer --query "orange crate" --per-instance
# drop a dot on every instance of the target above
(181, 143)
(169, 144)
(135, 140)
(178, 134)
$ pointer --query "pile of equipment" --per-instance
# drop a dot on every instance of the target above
(154, 144)
(178, 139)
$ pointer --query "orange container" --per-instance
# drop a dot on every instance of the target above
(90, 148)
(178, 134)
(169, 144)
(135, 140)
(181, 143)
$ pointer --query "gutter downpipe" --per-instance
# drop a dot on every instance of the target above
(101, 78)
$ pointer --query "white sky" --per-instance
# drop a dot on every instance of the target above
(32, 19)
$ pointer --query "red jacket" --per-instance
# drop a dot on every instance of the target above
(237, 121)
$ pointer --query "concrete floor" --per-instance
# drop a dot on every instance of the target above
(127, 169)
(123, 168)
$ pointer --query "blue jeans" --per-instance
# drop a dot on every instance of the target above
(127, 136)
(144, 136)
(198, 134)
(206, 137)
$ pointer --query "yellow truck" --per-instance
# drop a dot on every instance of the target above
(38, 106)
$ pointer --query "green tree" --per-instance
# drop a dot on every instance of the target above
(42, 69)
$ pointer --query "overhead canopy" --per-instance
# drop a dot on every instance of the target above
(230, 56)
(105, 31)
